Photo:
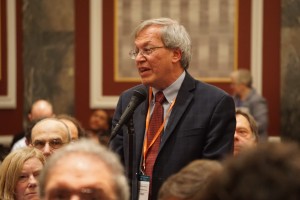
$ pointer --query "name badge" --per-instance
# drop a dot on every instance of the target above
(144, 185)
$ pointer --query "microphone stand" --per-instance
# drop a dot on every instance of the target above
(131, 150)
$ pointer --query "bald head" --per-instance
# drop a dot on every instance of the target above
(73, 129)
(40, 109)
(49, 134)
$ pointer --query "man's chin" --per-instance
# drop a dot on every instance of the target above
(236, 151)
(145, 82)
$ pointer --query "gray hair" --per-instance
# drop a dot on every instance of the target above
(243, 76)
(87, 147)
(173, 36)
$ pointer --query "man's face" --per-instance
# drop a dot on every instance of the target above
(243, 136)
(27, 183)
(99, 121)
(161, 68)
(49, 135)
(80, 176)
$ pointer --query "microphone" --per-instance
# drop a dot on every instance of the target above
(139, 95)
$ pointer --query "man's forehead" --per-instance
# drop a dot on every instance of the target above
(49, 128)
(242, 121)
(47, 138)
(100, 113)
(49, 124)
(81, 161)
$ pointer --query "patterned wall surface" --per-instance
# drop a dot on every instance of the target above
(211, 24)
(48, 53)
(290, 68)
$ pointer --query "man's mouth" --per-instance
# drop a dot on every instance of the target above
(143, 69)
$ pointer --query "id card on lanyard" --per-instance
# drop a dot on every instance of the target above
(144, 187)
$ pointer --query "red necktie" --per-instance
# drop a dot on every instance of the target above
(155, 122)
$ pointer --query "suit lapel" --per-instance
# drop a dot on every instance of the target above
(183, 99)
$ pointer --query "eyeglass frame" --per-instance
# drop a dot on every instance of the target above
(144, 52)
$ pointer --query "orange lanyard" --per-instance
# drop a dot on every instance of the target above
(159, 131)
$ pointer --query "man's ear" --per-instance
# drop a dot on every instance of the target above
(176, 55)
(29, 117)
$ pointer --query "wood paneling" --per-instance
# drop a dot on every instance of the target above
(271, 62)
(12, 119)
(3, 50)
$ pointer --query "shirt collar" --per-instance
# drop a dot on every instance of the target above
(172, 91)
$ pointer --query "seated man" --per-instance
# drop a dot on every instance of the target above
(246, 98)
(83, 170)
(48, 135)
(40, 109)
(246, 132)
(74, 126)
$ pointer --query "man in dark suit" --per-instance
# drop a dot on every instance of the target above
(199, 119)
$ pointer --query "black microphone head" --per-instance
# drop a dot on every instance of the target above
(139, 95)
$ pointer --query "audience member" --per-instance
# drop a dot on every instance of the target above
(74, 126)
(49, 134)
(39, 109)
(83, 170)
(192, 120)
(18, 174)
(99, 126)
(269, 172)
(190, 182)
(246, 97)
(246, 132)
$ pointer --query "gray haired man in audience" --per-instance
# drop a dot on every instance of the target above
(83, 170)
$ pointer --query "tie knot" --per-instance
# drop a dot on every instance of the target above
(159, 97)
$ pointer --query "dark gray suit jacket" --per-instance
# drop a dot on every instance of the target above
(201, 125)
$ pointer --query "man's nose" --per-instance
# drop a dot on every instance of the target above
(140, 57)
(236, 137)
(47, 150)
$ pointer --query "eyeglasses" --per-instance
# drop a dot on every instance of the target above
(84, 194)
(144, 52)
(54, 144)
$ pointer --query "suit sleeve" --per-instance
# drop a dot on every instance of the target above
(220, 135)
